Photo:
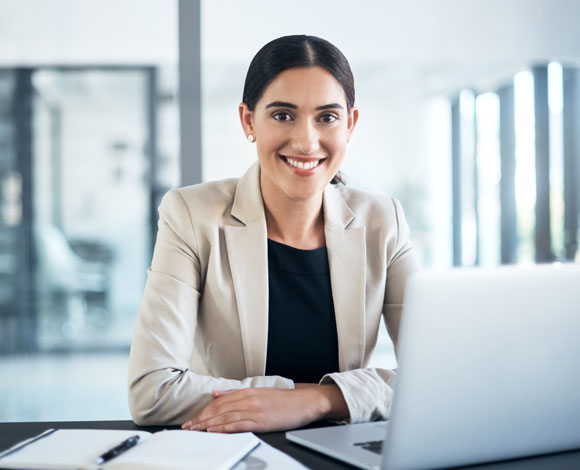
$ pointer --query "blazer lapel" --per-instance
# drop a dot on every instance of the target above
(346, 257)
(248, 257)
(247, 248)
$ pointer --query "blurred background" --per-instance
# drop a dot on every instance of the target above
(469, 115)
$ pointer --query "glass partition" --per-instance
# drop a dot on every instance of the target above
(91, 196)
(89, 144)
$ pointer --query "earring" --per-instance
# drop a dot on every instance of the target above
(251, 137)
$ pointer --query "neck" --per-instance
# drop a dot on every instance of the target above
(298, 223)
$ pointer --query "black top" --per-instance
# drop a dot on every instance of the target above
(302, 339)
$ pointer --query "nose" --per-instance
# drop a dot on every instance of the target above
(305, 138)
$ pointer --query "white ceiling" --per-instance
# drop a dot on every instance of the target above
(419, 32)
(414, 32)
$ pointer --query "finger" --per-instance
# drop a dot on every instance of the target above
(239, 426)
(207, 412)
(190, 426)
(221, 393)
(245, 399)
(218, 408)
(225, 418)
(214, 407)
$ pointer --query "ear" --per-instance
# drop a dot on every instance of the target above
(352, 120)
(246, 119)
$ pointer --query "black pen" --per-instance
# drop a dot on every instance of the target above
(115, 451)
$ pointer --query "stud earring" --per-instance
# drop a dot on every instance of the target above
(251, 137)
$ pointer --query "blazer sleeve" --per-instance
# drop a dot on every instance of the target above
(368, 392)
(162, 388)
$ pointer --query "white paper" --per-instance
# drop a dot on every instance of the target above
(189, 450)
(67, 448)
(165, 450)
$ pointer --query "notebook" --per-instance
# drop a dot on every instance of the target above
(488, 370)
(166, 450)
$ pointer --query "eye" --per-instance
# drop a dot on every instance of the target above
(281, 116)
(328, 118)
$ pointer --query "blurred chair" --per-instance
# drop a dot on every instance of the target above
(63, 273)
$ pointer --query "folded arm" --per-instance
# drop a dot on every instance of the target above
(162, 388)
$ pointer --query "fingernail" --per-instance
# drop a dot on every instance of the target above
(186, 425)
(195, 427)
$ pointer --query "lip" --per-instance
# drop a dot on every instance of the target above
(302, 171)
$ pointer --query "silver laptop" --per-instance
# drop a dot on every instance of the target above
(489, 369)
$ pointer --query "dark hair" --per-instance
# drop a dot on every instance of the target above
(295, 51)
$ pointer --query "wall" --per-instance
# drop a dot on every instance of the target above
(416, 32)
(84, 31)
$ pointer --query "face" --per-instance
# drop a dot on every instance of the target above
(301, 127)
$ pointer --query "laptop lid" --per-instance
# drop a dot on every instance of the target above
(489, 363)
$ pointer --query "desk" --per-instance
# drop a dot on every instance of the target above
(11, 433)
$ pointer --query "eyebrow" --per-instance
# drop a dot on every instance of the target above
(283, 104)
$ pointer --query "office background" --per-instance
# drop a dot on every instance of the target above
(470, 115)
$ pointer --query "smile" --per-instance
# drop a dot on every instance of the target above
(302, 164)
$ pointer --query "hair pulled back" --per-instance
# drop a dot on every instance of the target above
(295, 51)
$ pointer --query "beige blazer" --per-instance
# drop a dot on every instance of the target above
(203, 320)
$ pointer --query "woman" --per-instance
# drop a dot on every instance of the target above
(265, 293)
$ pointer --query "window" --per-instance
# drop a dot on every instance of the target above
(518, 202)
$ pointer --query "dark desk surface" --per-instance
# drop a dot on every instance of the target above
(11, 433)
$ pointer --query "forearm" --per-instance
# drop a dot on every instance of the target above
(166, 397)
(367, 392)
(329, 402)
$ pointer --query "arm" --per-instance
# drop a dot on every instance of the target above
(368, 392)
(162, 388)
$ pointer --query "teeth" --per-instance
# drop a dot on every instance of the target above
(302, 165)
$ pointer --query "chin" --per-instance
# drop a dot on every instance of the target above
(302, 194)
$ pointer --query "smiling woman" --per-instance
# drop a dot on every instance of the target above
(301, 125)
(265, 293)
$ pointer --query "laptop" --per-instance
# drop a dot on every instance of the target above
(489, 369)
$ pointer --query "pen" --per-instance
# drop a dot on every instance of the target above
(115, 451)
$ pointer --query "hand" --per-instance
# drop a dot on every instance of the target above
(254, 409)
(266, 409)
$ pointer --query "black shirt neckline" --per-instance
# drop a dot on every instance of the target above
(285, 258)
